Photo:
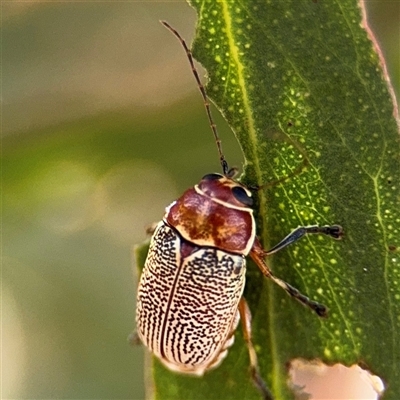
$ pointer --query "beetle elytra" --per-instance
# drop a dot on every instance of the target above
(190, 294)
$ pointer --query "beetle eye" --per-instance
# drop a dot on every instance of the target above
(212, 177)
(241, 195)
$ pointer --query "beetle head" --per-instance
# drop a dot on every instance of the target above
(224, 189)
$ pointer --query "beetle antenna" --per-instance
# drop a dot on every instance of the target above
(224, 163)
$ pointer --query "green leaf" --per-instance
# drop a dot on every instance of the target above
(303, 89)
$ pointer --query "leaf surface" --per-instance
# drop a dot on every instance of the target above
(302, 87)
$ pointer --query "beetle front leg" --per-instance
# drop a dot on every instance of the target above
(151, 228)
(245, 317)
(334, 231)
(257, 253)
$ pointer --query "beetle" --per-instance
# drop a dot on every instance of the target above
(190, 293)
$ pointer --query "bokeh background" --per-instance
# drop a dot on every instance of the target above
(102, 128)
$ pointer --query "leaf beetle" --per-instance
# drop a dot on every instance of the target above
(190, 293)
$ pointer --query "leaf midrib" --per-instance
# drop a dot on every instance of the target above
(253, 141)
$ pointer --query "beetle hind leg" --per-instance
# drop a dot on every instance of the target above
(245, 316)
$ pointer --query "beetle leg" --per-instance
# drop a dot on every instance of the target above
(257, 253)
(134, 339)
(245, 316)
(151, 228)
(334, 231)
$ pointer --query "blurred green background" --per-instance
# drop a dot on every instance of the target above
(102, 128)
